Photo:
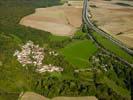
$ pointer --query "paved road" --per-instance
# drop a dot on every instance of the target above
(90, 25)
(106, 35)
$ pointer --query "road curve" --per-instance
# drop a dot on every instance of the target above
(89, 24)
(106, 35)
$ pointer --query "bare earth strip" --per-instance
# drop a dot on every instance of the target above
(59, 20)
(114, 18)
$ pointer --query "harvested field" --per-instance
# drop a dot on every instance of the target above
(59, 20)
(114, 18)
(32, 96)
(77, 3)
(35, 96)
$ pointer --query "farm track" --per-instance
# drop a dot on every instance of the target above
(89, 24)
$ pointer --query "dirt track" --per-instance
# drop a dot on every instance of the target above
(114, 18)
(59, 20)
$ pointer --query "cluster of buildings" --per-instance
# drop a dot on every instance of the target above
(49, 68)
(34, 55)
(30, 54)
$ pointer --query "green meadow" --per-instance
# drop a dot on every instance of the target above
(78, 52)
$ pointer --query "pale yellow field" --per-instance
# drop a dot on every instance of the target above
(59, 20)
(34, 96)
(114, 19)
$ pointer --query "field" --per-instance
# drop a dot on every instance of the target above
(59, 20)
(34, 96)
(78, 52)
(114, 17)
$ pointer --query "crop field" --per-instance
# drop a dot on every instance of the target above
(66, 19)
(34, 96)
(78, 52)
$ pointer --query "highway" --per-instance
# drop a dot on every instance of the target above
(89, 24)
(106, 35)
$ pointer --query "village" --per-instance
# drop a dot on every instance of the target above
(33, 55)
